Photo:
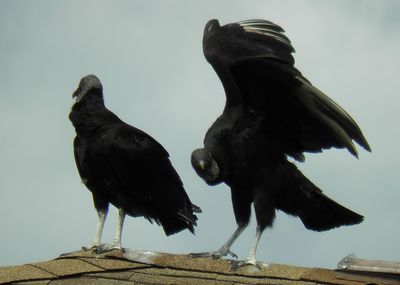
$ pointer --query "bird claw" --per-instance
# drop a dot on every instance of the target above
(88, 248)
(103, 248)
(117, 246)
(66, 254)
(235, 265)
(213, 254)
(93, 246)
(110, 247)
(232, 254)
(199, 254)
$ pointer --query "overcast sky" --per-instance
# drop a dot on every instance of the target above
(149, 58)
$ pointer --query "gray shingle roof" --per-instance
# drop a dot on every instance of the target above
(144, 267)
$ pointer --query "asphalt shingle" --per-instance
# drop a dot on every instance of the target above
(144, 267)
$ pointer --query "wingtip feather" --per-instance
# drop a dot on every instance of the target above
(267, 29)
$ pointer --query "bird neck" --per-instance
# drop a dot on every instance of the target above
(89, 114)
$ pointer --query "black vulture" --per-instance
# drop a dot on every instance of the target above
(126, 167)
(271, 113)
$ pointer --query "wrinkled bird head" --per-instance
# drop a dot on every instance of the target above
(88, 84)
(205, 166)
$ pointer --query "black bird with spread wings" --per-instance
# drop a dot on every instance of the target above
(126, 167)
(272, 112)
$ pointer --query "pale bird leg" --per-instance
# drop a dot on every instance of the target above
(225, 248)
(251, 258)
(99, 230)
(118, 234)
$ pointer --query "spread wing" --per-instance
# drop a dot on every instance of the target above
(223, 46)
(254, 61)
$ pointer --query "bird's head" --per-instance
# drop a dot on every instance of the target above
(88, 84)
(205, 166)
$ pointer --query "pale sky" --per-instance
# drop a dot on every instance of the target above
(149, 58)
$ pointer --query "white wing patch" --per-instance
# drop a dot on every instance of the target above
(266, 28)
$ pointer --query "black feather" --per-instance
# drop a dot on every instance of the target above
(271, 112)
(126, 167)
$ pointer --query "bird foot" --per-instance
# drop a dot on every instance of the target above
(117, 245)
(93, 246)
(109, 247)
(214, 254)
(103, 248)
(67, 254)
(235, 265)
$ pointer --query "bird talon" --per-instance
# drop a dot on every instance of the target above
(117, 246)
(216, 256)
(235, 265)
(213, 254)
(90, 247)
(100, 249)
(233, 254)
(201, 255)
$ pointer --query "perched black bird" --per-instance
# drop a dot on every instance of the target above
(271, 112)
(126, 167)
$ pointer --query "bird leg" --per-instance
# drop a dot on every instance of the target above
(251, 258)
(116, 244)
(225, 249)
(99, 230)
(118, 234)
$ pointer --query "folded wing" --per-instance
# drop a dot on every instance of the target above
(144, 168)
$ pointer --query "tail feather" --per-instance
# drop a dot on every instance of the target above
(320, 213)
(173, 225)
(183, 219)
(317, 211)
(196, 209)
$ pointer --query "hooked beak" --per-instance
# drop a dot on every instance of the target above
(202, 165)
(77, 94)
